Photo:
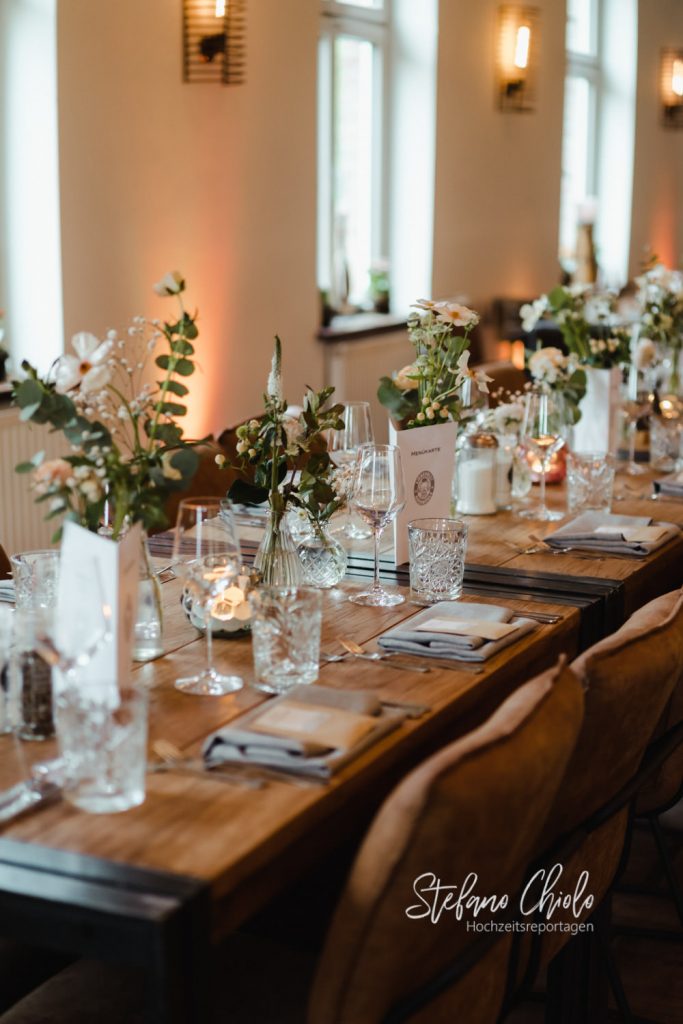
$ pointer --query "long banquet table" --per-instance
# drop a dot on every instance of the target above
(159, 884)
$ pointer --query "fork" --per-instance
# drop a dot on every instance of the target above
(381, 657)
(172, 759)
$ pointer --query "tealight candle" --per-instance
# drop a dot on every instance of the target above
(477, 475)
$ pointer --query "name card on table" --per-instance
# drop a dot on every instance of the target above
(95, 572)
(428, 459)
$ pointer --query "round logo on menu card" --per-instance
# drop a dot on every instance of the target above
(424, 487)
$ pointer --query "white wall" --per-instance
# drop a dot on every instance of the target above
(218, 182)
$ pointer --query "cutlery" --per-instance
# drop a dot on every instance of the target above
(173, 760)
(31, 793)
(581, 552)
(380, 658)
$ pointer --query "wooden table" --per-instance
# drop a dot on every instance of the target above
(156, 885)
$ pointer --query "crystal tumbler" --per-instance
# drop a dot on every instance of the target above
(286, 636)
(590, 481)
(437, 559)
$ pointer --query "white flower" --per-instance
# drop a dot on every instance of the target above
(531, 312)
(548, 365)
(455, 315)
(293, 429)
(170, 284)
(274, 385)
(406, 378)
(481, 379)
(88, 368)
(645, 354)
(51, 474)
(426, 304)
(506, 415)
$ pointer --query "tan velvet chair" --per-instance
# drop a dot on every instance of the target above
(477, 805)
(629, 679)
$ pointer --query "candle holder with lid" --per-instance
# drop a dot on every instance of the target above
(476, 475)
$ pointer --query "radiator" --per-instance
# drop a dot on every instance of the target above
(355, 367)
(22, 525)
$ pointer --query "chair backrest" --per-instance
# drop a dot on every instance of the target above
(476, 806)
(629, 679)
(5, 568)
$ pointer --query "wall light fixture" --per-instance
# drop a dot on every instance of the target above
(213, 41)
(671, 87)
(518, 37)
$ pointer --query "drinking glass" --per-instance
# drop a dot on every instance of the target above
(437, 559)
(666, 434)
(36, 575)
(636, 402)
(590, 481)
(6, 634)
(285, 636)
(103, 743)
(343, 447)
(543, 434)
(378, 496)
(206, 557)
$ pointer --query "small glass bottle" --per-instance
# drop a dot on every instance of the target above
(477, 473)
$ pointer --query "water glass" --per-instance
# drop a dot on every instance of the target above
(286, 636)
(590, 481)
(36, 575)
(103, 741)
(6, 634)
(437, 559)
(666, 437)
(33, 675)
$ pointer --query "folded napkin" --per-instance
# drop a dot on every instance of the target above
(312, 730)
(602, 531)
(462, 632)
(7, 590)
(671, 485)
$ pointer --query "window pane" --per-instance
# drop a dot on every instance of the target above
(576, 185)
(353, 170)
(581, 26)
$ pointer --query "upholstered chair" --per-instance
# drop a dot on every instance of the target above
(629, 679)
(475, 806)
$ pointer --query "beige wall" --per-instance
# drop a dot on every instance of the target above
(657, 223)
(218, 182)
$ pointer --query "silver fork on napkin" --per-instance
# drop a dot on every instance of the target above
(359, 652)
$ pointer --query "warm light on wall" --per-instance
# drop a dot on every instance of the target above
(671, 88)
(213, 41)
(517, 53)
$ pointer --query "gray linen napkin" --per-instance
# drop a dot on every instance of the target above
(581, 532)
(671, 485)
(7, 591)
(238, 744)
(408, 639)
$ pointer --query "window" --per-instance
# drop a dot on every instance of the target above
(352, 143)
(582, 111)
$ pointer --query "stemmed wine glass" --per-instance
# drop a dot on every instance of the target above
(206, 557)
(343, 447)
(636, 402)
(543, 434)
(378, 496)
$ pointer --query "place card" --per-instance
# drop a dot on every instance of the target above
(484, 629)
(329, 726)
(636, 535)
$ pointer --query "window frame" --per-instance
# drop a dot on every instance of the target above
(340, 19)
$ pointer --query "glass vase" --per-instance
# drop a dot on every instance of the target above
(148, 632)
(323, 559)
(277, 559)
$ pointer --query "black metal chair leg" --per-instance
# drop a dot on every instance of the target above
(665, 858)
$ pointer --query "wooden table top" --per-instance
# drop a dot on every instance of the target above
(248, 844)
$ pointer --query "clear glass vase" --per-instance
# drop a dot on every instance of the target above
(323, 559)
(149, 622)
(277, 559)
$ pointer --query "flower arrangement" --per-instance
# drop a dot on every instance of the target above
(559, 373)
(126, 446)
(286, 457)
(428, 390)
(660, 297)
(587, 320)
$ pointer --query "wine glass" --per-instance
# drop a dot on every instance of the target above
(636, 402)
(543, 431)
(378, 496)
(343, 446)
(206, 557)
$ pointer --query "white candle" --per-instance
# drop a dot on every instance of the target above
(475, 491)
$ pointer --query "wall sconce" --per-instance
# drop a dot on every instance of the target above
(213, 41)
(671, 88)
(517, 49)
